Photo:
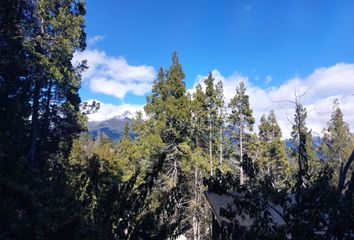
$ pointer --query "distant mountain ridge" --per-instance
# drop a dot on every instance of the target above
(99, 117)
(112, 127)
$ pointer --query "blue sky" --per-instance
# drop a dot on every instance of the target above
(268, 43)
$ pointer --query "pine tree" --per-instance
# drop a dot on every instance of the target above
(274, 160)
(274, 127)
(169, 110)
(241, 117)
(220, 104)
(168, 103)
(264, 129)
(199, 114)
(200, 162)
(40, 96)
(307, 163)
(126, 131)
(337, 139)
(303, 151)
(14, 113)
(55, 100)
(15, 78)
(211, 120)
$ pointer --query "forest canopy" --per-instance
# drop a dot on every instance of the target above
(58, 182)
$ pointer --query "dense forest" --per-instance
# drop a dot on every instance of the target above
(58, 182)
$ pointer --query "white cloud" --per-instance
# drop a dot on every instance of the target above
(320, 88)
(107, 110)
(91, 41)
(113, 75)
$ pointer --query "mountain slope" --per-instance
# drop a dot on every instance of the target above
(113, 127)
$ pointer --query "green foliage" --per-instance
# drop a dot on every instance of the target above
(337, 141)
(168, 104)
(273, 159)
(260, 210)
(241, 113)
(169, 112)
(39, 116)
(303, 147)
(241, 117)
(59, 183)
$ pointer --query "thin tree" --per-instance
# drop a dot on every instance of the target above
(211, 107)
(241, 117)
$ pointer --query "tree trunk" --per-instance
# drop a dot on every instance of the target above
(34, 127)
(221, 148)
(175, 170)
(195, 227)
(35, 107)
(241, 152)
(210, 151)
(196, 231)
(47, 115)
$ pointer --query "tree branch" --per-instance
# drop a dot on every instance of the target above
(343, 173)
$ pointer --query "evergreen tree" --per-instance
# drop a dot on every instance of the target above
(199, 114)
(55, 116)
(220, 104)
(58, 184)
(299, 129)
(241, 117)
(337, 139)
(199, 160)
(274, 160)
(40, 97)
(169, 110)
(212, 117)
(15, 78)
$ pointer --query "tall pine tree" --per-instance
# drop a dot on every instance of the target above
(241, 117)
(169, 110)
(337, 140)
(273, 161)
(212, 117)
(220, 123)
(303, 151)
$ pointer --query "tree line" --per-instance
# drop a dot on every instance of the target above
(56, 182)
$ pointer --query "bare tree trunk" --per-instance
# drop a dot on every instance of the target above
(221, 148)
(241, 151)
(343, 173)
(195, 227)
(198, 230)
(210, 151)
(196, 197)
(175, 170)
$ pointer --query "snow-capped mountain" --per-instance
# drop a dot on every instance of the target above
(110, 119)
(99, 117)
(108, 111)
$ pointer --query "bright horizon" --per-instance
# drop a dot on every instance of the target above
(276, 49)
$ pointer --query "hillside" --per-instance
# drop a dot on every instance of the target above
(113, 127)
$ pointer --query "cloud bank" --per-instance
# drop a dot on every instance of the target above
(320, 89)
(114, 76)
(107, 110)
(91, 41)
